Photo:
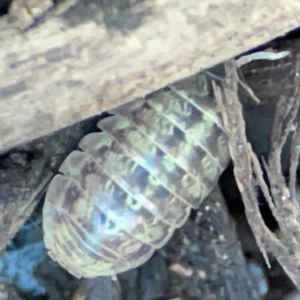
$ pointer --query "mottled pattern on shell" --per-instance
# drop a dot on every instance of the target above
(121, 197)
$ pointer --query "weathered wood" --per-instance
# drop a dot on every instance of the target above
(59, 66)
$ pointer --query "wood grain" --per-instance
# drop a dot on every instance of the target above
(60, 65)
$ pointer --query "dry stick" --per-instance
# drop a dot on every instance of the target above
(295, 145)
(285, 114)
(245, 86)
(287, 207)
(249, 90)
(234, 125)
(295, 154)
(262, 183)
(241, 153)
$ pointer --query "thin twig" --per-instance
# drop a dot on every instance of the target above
(246, 164)
(286, 111)
(295, 154)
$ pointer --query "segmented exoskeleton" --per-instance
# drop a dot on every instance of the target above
(122, 195)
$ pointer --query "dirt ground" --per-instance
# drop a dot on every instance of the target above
(213, 256)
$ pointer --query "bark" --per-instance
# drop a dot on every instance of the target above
(62, 64)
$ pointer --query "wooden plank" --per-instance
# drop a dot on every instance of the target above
(60, 66)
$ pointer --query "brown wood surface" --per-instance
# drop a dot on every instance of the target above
(60, 65)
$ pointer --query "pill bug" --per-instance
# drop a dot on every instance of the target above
(122, 195)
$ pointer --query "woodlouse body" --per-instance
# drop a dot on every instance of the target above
(121, 197)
